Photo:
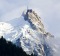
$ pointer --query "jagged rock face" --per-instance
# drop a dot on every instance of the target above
(35, 22)
(33, 37)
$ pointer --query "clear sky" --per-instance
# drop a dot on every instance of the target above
(49, 11)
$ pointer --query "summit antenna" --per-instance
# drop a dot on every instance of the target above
(27, 4)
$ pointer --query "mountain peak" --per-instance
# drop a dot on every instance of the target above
(35, 22)
(31, 36)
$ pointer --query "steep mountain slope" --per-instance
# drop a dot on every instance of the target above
(33, 35)
(29, 33)
(35, 21)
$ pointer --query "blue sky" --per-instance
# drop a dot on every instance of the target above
(49, 11)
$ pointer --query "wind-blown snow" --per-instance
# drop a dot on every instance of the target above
(5, 28)
(8, 31)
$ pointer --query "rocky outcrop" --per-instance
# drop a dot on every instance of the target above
(36, 22)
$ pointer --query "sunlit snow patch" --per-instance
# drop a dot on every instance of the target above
(8, 31)
(5, 28)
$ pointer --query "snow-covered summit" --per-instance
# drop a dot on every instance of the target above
(31, 36)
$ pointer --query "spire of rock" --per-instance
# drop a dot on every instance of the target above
(36, 22)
